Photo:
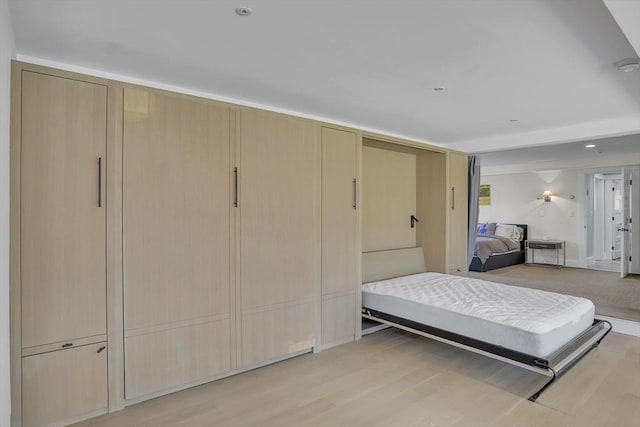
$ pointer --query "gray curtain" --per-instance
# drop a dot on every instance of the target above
(474, 193)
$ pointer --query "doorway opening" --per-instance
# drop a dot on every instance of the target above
(603, 234)
(610, 204)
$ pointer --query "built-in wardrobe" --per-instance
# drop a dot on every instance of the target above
(58, 237)
(415, 195)
(160, 241)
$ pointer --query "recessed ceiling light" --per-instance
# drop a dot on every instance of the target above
(438, 88)
(628, 65)
(590, 146)
(513, 120)
(243, 11)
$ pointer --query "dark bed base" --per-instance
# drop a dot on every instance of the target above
(502, 260)
(554, 366)
(497, 261)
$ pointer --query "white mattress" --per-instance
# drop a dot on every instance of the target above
(527, 320)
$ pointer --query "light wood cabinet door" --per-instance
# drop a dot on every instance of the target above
(338, 318)
(388, 199)
(62, 232)
(339, 213)
(274, 332)
(339, 234)
(176, 220)
(64, 386)
(161, 360)
(432, 197)
(458, 213)
(279, 224)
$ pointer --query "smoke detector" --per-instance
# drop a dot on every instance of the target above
(243, 11)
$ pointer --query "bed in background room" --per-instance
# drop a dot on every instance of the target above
(540, 331)
(499, 245)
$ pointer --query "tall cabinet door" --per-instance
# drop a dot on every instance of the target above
(62, 233)
(177, 228)
(339, 235)
(388, 199)
(458, 213)
(279, 264)
(62, 248)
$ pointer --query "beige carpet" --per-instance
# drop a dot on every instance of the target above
(611, 295)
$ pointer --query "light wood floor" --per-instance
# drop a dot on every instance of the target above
(393, 378)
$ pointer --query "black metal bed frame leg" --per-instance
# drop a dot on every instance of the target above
(537, 394)
(555, 376)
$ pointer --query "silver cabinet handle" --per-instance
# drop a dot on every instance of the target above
(235, 187)
(453, 198)
(99, 182)
(355, 198)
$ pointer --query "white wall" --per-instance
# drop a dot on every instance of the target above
(513, 200)
(7, 52)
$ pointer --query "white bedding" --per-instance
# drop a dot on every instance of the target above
(527, 320)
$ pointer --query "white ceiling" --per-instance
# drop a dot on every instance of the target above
(549, 64)
(608, 152)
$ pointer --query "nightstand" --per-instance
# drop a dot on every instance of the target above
(556, 245)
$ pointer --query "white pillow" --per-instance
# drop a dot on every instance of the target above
(508, 231)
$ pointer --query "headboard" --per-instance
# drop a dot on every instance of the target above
(381, 265)
(524, 235)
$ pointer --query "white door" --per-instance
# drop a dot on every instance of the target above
(634, 233)
(599, 215)
(626, 222)
(616, 220)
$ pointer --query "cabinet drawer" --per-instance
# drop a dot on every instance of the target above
(544, 245)
(64, 386)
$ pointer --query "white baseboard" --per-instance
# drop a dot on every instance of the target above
(573, 263)
(622, 326)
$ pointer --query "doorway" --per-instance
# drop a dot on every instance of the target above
(606, 211)
(610, 203)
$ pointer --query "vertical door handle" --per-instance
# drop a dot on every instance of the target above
(99, 182)
(453, 198)
(235, 187)
(355, 198)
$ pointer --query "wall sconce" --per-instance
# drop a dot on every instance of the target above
(546, 196)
